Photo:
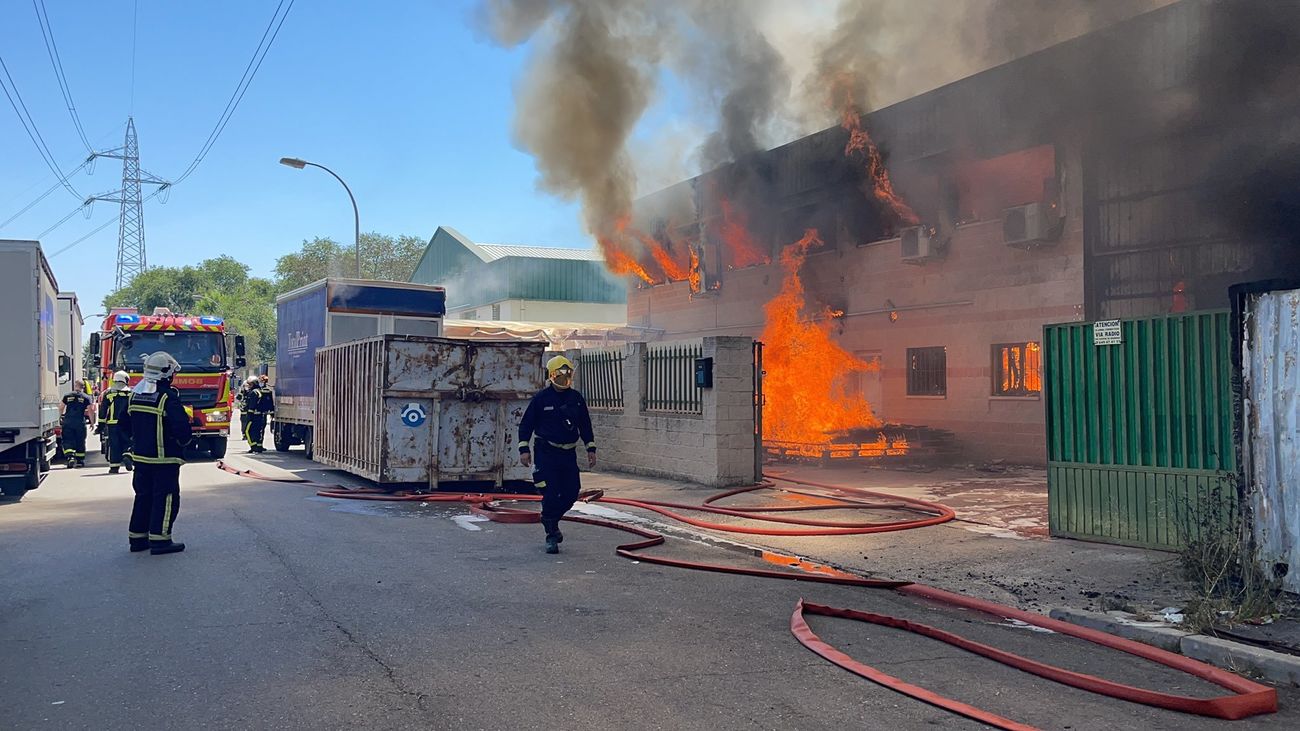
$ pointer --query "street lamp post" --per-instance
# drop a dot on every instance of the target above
(294, 162)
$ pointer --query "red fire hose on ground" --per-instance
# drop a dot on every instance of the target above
(1247, 698)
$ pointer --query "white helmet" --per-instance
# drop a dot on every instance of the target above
(160, 365)
(121, 377)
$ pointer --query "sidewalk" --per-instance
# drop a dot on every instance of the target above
(996, 549)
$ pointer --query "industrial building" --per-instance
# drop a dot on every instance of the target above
(1126, 173)
(520, 284)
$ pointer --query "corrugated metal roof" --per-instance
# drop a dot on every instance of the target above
(476, 274)
(499, 251)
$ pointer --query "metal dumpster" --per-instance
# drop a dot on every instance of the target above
(404, 408)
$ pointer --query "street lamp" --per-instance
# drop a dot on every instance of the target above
(294, 162)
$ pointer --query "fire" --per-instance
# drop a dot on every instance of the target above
(617, 260)
(673, 269)
(742, 250)
(807, 394)
(693, 273)
(861, 143)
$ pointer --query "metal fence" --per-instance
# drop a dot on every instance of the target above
(1139, 433)
(670, 379)
(601, 378)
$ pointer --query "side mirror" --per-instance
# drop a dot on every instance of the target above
(95, 354)
(239, 346)
(65, 368)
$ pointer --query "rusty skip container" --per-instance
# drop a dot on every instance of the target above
(413, 409)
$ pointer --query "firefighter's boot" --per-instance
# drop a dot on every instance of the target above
(553, 536)
(139, 544)
(159, 548)
(113, 470)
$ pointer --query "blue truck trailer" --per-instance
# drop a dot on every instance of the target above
(332, 311)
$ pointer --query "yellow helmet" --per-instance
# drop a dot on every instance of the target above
(556, 363)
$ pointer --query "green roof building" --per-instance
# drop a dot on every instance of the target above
(521, 283)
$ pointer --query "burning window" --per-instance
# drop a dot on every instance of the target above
(927, 371)
(1017, 369)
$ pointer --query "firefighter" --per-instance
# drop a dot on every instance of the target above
(76, 412)
(159, 428)
(258, 404)
(558, 418)
(112, 417)
(241, 403)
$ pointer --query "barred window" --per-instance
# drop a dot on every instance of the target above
(1017, 369)
(927, 371)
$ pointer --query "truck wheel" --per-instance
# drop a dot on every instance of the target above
(32, 479)
(217, 447)
(307, 444)
(282, 441)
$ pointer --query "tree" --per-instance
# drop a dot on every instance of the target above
(382, 257)
(222, 287)
(219, 286)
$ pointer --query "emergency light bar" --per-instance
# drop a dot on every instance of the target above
(210, 320)
(128, 319)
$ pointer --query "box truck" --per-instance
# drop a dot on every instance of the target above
(32, 366)
(332, 311)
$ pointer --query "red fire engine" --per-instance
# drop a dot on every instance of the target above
(197, 342)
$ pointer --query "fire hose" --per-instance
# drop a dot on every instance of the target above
(1247, 698)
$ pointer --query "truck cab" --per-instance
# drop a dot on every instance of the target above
(198, 342)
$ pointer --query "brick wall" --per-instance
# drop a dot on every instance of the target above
(714, 447)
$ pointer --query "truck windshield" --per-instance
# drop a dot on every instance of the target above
(196, 352)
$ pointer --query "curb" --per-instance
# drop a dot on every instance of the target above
(1277, 667)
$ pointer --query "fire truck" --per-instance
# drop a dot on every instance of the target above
(197, 342)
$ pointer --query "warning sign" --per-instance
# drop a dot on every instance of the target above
(1107, 332)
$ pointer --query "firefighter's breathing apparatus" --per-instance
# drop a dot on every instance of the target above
(1247, 698)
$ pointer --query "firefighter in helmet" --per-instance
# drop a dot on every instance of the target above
(76, 412)
(259, 404)
(557, 424)
(159, 428)
(112, 422)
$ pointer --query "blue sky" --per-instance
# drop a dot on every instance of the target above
(407, 101)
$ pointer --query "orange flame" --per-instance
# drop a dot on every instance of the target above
(808, 395)
(741, 249)
(693, 273)
(861, 143)
(617, 260)
(673, 269)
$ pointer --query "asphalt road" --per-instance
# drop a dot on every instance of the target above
(290, 611)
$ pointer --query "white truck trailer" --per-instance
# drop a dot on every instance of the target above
(30, 366)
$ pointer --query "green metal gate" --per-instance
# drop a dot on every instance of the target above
(1139, 433)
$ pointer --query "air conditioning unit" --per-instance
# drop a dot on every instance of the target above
(1030, 225)
(918, 244)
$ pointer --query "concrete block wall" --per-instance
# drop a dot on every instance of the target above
(715, 447)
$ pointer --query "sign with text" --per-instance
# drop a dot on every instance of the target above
(1107, 332)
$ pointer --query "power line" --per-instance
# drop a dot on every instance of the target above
(52, 49)
(250, 71)
(98, 228)
(29, 125)
(63, 220)
(44, 195)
